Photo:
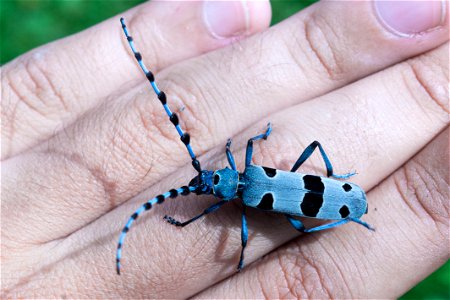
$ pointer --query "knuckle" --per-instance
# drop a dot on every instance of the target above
(425, 193)
(426, 80)
(303, 276)
(37, 85)
(144, 132)
(189, 99)
(323, 47)
(129, 143)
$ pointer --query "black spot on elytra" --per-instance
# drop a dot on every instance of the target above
(266, 202)
(313, 183)
(344, 211)
(347, 187)
(311, 204)
(270, 172)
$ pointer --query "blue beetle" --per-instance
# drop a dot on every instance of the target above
(290, 193)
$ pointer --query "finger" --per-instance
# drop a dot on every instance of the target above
(50, 87)
(404, 117)
(410, 210)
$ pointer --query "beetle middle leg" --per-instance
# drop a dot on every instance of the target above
(307, 153)
(249, 151)
(244, 238)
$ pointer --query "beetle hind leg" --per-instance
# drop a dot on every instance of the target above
(344, 176)
(298, 225)
(307, 153)
(244, 238)
(361, 222)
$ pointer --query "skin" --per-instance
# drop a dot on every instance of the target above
(84, 145)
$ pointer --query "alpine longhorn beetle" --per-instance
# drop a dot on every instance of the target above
(290, 193)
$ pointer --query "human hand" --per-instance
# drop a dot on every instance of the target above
(85, 145)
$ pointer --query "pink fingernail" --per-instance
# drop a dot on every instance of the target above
(225, 19)
(407, 18)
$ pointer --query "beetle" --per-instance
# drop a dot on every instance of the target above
(289, 193)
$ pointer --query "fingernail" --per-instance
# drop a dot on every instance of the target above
(407, 18)
(225, 19)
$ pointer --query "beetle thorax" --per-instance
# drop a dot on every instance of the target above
(225, 183)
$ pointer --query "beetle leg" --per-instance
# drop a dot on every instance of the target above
(298, 225)
(249, 152)
(244, 238)
(210, 209)
(230, 155)
(307, 153)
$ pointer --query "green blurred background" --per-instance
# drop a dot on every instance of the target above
(26, 24)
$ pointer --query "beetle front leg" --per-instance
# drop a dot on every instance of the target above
(249, 152)
(230, 155)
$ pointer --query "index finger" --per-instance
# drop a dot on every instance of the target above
(51, 86)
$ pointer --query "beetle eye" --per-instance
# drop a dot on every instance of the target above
(216, 179)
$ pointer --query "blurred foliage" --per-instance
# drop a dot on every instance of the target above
(281, 9)
(26, 24)
(435, 287)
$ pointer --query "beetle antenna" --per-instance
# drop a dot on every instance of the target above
(184, 190)
(184, 136)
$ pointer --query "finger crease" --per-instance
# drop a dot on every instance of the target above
(322, 60)
(427, 90)
(52, 89)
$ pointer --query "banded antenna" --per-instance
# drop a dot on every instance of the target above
(184, 136)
